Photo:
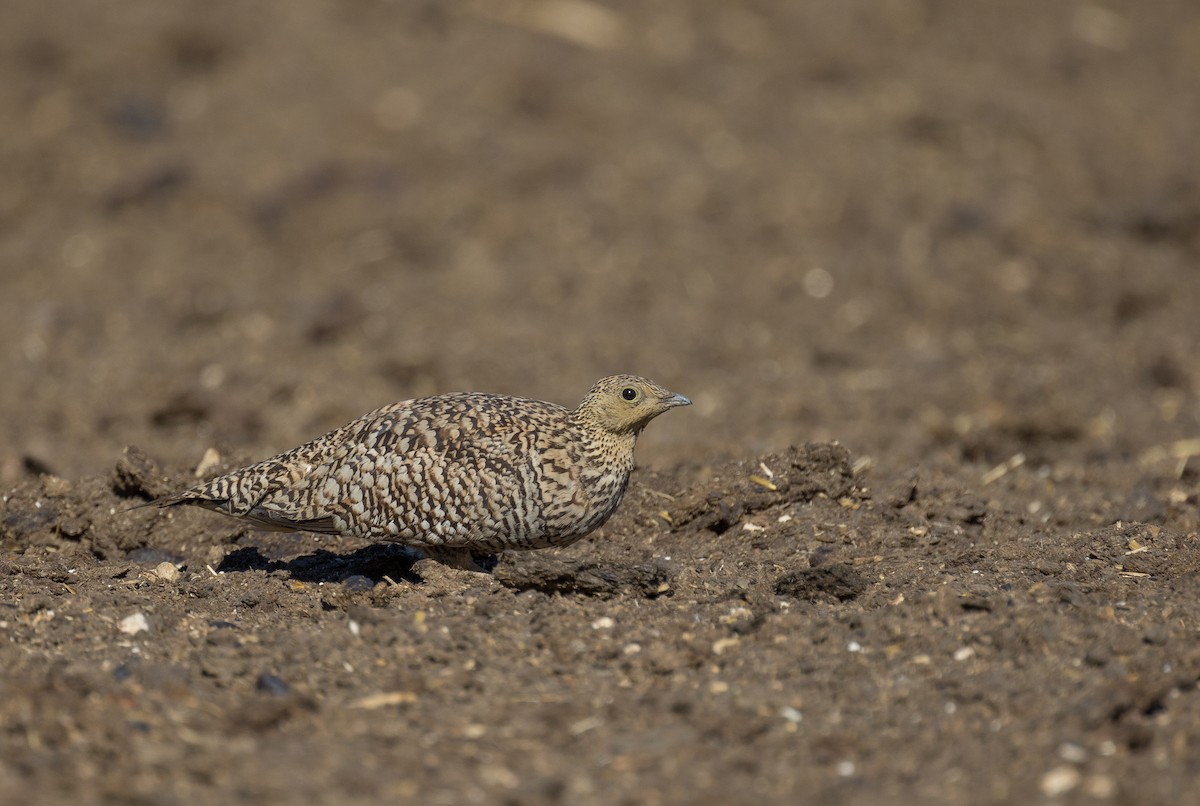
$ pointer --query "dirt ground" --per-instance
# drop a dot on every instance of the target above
(928, 270)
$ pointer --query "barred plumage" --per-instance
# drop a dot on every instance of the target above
(455, 474)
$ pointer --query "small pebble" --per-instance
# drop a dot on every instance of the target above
(1100, 786)
(584, 725)
(270, 684)
(1069, 751)
(1060, 781)
(167, 572)
(208, 463)
(133, 624)
(358, 583)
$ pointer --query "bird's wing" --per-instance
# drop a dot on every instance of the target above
(435, 479)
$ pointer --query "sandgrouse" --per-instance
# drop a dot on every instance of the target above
(455, 475)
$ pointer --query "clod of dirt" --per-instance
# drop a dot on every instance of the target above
(837, 582)
(903, 493)
(153, 555)
(35, 466)
(587, 578)
(187, 407)
(1142, 550)
(24, 515)
(439, 580)
(797, 475)
(1143, 504)
(136, 475)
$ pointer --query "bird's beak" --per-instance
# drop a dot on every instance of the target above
(676, 400)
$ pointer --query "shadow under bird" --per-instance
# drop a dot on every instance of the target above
(455, 475)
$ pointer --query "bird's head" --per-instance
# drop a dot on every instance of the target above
(623, 404)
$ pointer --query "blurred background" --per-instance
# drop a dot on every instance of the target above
(927, 229)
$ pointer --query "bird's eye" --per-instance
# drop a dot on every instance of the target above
(629, 393)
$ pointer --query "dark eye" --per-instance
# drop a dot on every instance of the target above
(629, 393)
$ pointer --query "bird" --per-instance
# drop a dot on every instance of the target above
(455, 476)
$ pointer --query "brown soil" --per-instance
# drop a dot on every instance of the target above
(928, 270)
